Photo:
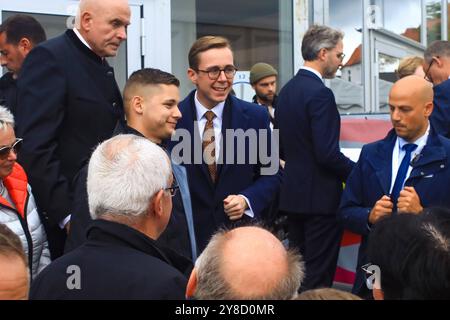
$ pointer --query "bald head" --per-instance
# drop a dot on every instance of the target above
(416, 88)
(411, 104)
(247, 263)
(103, 24)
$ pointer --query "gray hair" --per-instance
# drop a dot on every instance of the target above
(437, 48)
(125, 172)
(318, 38)
(212, 285)
(6, 118)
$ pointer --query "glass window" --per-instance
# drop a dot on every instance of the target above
(387, 65)
(259, 31)
(402, 17)
(347, 86)
(433, 20)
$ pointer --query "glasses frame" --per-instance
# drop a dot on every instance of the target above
(341, 56)
(215, 69)
(427, 73)
(172, 190)
(7, 149)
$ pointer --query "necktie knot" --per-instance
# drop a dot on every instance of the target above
(409, 147)
(209, 115)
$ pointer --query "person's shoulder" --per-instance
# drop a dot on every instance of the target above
(445, 142)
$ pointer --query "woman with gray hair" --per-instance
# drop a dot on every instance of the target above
(17, 206)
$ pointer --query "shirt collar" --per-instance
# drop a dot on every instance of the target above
(317, 73)
(81, 38)
(201, 110)
(420, 142)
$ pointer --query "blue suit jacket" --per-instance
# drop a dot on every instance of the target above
(207, 198)
(309, 125)
(440, 118)
(371, 179)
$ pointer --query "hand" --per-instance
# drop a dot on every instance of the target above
(382, 208)
(409, 201)
(235, 206)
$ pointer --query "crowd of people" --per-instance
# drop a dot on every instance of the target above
(145, 195)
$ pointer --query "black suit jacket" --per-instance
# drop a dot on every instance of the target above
(175, 236)
(309, 125)
(68, 102)
(116, 262)
(8, 92)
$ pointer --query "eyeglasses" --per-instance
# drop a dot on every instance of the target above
(340, 56)
(172, 190)
(214, 72)
(5, 150)
(427, 75)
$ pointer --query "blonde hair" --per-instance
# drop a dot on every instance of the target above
(327, 294)
(408, 66)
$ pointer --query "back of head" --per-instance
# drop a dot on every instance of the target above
(438, 48)
(14, 275)
(413, 254)
(21, 26)
(319, 37)
(124, 173)
(247, 263)
(408, 66)
(204, 44)
(327, 294)
(140, 80)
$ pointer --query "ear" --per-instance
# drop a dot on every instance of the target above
(136, 104)
(322, 55)
(192, 284)
(157, 204)
(192, 75)
(439, 62)
(25, 46)
(253, 86)
(429, 109)
(86, 21)
(377, 294)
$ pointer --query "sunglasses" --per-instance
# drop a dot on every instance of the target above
(6, 150)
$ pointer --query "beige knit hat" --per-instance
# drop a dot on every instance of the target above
(260, 71)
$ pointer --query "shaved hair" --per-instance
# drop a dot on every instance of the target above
(414, 86)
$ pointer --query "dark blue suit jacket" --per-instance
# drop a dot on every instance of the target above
(309, 125)
(207, 198)
(371, 179)
(440, 118)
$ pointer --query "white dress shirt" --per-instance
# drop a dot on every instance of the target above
(217, 124)
(398, 154)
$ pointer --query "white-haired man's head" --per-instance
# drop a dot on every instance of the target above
(127, 182)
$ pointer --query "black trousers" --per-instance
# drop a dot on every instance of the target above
(318, 238)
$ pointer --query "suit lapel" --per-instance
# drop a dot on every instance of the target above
(234, 117)
(381, 162)
(432, 152)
